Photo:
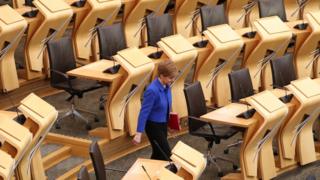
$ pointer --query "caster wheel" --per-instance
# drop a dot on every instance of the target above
(220, 174)
(58, 126)
(96, 119)
(88, 127)
(235, 167)
(226, 151)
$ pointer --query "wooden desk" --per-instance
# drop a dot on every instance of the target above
(153, 167)
(6, 165)
(7, 115)
(94, 71)
(213, 72)
(254, 162)
(227, 116)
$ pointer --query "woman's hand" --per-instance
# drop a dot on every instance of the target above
(137, 138)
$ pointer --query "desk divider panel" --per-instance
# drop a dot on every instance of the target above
(56, 16)
(305, 66)
(106, 11)
(258, 158)
(40, 118)
(6, 166)
(296, 137)
(274, 37)
(12, 27)
(183, 54)
(212, 73)
(133, 21)
(125, 104)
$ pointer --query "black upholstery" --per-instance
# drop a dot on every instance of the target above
(158, 26)
(283, 71)
(197, 107)
(170, 6)
(272, 8)
(28, 3)
(111, 40)
(212, 16)
(83, 174)
(240, 84)
(62, 59)
(97, 161)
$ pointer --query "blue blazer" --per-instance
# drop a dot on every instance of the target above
(156, 105)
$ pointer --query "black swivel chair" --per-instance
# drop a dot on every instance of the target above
(98, 163)
(83, 174)
(111, 39)
(212, 16)
(240, 84)
(62, 60)
(283, 73)
(212, 134)
(240, 87)
(158, 26)
(272, 8)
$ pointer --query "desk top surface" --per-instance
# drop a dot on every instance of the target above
(95, 70)
(7, 114)
(136, 171)
(227, 115)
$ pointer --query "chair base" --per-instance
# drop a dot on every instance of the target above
(235, 144)
(212, 159)
(75, 113)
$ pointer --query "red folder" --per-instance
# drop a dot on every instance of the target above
(174, 121)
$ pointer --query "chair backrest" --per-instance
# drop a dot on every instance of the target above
(97, 161)
(158, 26)
(196, 105)
(83, 174)
(272, 8)
(240, 84)
(111, 40)
(61, 57)
(212, 16)
(283, 71)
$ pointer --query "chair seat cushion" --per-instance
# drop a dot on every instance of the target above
(79, 85)
(221, 132)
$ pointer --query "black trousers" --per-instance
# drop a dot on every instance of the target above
(158, 132)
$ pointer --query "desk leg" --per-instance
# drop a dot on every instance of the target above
(108, 132)
(242, 175)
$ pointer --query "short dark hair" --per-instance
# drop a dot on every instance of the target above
(167, 68)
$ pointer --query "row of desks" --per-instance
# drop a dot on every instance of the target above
(290, 129)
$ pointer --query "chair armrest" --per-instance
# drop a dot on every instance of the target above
(200, 119)
(64, 75)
